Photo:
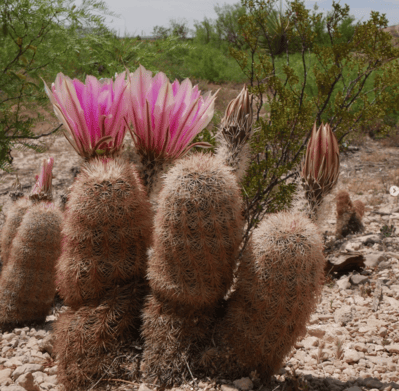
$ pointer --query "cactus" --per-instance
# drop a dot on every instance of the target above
(201, 308)
(88, 339)
(166, 117)
(31, 244)
(27, 286)
(349, 215)
(197, 231)
(106, 233)
(278, 283)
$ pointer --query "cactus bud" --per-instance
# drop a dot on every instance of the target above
(43, 188)
(237, 121)
(235, 130)
(320, 168)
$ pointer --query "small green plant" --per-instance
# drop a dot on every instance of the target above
(388, 230)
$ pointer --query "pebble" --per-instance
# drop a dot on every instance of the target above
(244, 384)
(344, 315)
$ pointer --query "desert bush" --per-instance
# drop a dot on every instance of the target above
(279, 144)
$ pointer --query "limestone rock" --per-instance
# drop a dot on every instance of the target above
(244, 384)
(344, 314)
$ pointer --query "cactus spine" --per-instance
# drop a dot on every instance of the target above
(106, 233)
(279, 280)
(197, 231)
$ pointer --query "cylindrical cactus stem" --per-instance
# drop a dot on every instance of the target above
(101, 272)
(174, 338)
(27, 286)
(13, 221)
(106, 232)
(279, 281)
(234, 134)
(197, 231)
(89, 340)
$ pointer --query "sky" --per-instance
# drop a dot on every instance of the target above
(138, 17)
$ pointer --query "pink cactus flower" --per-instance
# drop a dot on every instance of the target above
(166, 117)
(43, 187)
(93, 113)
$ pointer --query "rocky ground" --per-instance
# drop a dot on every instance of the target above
(352, 342)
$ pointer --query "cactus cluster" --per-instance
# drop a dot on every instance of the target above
(30, 247)
(152, 251)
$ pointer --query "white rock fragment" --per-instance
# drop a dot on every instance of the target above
(26, 381)
(244, 384)
(351, 356)
(26, 368)
(5, 375)
(344, 314)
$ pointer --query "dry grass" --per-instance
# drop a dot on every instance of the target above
(392, 140)
(375, 201)
(339, 352)
(376, 157)
(359, 186)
